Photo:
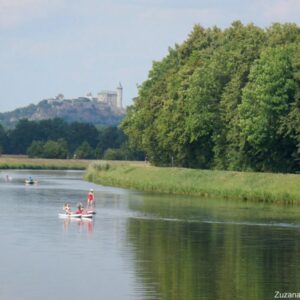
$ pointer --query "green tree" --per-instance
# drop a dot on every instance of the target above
(36, 149)
(22, 136)
(156, 123)
(85, 151)
(266, 101)
(78, 133)
(242, 45)
(195, 109)
(110, 137)
(55, 149)
(3, 139)
(113, 154)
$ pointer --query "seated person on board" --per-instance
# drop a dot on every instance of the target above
(67, 208)
(80, 209)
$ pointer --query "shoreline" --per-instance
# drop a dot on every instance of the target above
(23, 162)
(273, 188)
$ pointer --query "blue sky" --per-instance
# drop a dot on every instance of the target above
(74, 47)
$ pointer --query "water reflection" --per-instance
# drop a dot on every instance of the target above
(80, 225)
(210, 259)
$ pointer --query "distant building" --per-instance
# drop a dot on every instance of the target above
(60, 97)
(89, 95)
(119, 95)
(113, 98)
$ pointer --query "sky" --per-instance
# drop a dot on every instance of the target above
(74, 47)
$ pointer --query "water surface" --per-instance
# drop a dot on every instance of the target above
(141, 246)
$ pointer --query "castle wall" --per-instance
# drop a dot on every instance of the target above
(111, 97)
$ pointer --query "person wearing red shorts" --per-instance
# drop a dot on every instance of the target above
(91, 199)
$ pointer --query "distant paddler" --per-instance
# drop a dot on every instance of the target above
(30, 180)
(8, 178)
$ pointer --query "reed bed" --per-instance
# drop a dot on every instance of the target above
(22, 162)
(246, 186)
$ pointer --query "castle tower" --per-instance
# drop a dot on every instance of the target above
(119, 95)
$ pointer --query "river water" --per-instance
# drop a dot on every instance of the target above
(141, 246)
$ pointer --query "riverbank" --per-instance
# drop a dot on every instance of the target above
(246, 186)
(23, 162)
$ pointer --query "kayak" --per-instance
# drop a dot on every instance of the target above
(77, 216)
(31, 182)
(92, 212)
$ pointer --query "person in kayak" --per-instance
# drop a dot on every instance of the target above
(91, 199)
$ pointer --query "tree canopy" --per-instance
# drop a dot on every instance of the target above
(56, 138)
(226, 99)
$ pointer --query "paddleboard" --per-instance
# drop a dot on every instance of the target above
(77, 216)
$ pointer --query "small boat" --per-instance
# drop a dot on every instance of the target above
(27, 181)
(77, 216)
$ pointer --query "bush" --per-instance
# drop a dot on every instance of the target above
(113, 154)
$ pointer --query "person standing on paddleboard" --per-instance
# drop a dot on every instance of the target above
(91, 199)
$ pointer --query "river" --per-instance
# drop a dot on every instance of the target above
(141, 246)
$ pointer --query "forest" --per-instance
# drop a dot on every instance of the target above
(55, 138)
(225, 99)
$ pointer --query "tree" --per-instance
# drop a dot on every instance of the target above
(110, 137)
(36, 149)
(85, 151)
(3, 140)
(55, 149)
(22, 136)
(266, 101)
(113, 154)
(78, 133)
(194, 109)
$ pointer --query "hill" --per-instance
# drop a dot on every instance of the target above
(79, 109)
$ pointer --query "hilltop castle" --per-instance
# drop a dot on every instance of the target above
(111, 98)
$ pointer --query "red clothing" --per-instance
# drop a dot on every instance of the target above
(90, 197)
(79, 211)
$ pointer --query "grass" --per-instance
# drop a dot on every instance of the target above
(23, 162)
(246, 186)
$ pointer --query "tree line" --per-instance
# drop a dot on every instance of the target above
(224, 99)
(55, 138)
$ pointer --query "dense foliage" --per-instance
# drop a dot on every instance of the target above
(226, 99)
(58, 139)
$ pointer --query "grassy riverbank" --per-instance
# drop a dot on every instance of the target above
(260, 187)
(22, 162)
